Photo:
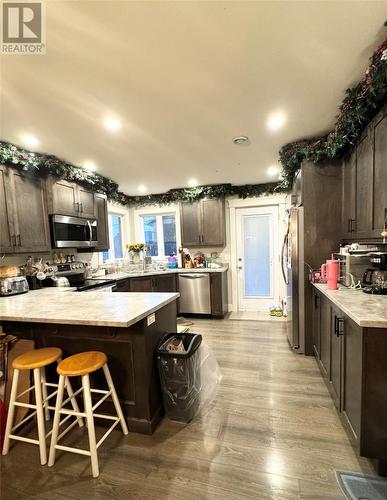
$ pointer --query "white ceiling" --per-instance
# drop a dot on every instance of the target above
(184, 78)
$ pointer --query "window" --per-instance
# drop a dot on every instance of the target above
(115, 237)
(159, 234)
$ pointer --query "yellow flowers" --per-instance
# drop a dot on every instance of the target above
(136, 247)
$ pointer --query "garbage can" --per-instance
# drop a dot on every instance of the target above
(180, 375)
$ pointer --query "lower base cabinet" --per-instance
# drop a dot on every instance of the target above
(353, 363)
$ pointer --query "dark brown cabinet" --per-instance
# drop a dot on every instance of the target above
(154, 283)
(364, 204)
(380, 174)
(325, 334)
(7, 232)
(316, 324)
(352, 366)
(364, 185)
(24, 221)
(143, 284)
(165, 283)
(68, 198)
(102, 222)
(349, 196)
(86, 203)
(350, 378)
(203, 223)
(63, 197)
(335, 373)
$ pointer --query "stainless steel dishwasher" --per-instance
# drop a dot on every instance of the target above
(194, 291)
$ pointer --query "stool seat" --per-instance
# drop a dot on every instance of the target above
(37, 358)
(82, 363)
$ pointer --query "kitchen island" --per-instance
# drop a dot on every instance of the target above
(126, 326)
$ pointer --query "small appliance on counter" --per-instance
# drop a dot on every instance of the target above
(352, 267)
(13, 286)
(11, 283)
(375, 279)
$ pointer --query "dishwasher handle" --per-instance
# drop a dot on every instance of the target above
(194, 275)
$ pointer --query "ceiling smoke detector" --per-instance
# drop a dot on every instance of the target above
(241, 140)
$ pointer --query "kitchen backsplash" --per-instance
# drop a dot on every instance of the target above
(20, 259)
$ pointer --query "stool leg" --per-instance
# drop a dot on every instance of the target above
(116, 401)
(90, 424)
(55, 426)
(44, 392)
(11, 411)
(40, 416)
(73, 400)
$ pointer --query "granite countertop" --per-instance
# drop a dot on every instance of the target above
(125, 275)
(81, 308)
(364, 309)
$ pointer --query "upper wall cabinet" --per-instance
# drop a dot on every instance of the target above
(380, 173)
(102, 222)
(365, 183)
(23, 213)
(203, 223)
(68, 198)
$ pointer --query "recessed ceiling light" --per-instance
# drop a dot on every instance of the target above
(89, 165)
(276, 121)
(141, 188)
(30, 140)
(241, 140)
(273, 171)
(192, 183)
(112, 123)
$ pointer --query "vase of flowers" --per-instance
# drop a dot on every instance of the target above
(136, 251)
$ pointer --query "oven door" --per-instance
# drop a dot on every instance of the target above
(73, 232)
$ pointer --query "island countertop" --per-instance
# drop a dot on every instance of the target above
(80, 308)
(365, 309)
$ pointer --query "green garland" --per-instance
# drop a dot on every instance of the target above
(43, 165)
(360, 105)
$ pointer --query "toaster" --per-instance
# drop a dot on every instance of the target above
(13, 286)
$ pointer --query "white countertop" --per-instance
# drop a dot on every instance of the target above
(364, 309)
(125, 275)
(82, 308)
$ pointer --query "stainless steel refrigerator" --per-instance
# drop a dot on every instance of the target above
(314, 231)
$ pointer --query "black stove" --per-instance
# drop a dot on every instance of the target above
(88, 284)
(375, 290)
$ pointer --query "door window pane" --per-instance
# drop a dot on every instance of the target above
(169, 233)
(150, 234)
(256, 234)
(117, 236)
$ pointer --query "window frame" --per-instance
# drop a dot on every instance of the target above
(123, 213)
(158, 212)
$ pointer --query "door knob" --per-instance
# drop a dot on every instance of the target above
(239, 267)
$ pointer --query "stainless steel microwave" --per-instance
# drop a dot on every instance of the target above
(73, 232)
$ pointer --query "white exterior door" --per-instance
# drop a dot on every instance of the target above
(257, 233)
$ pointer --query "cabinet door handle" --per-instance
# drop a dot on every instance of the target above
(18, 240)
(339, 327)
(352, 225)
(81, 205)
(349, 225)
(14, 240)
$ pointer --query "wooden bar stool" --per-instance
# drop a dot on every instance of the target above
(35, 360)
(83, 364)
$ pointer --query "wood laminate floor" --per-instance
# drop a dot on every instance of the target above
(271, 433)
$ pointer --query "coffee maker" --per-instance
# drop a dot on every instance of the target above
(375, 279)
